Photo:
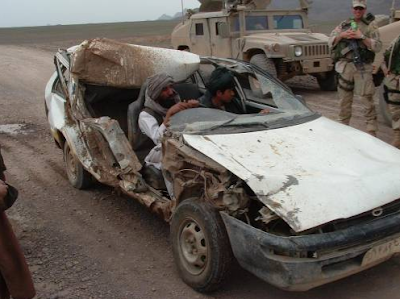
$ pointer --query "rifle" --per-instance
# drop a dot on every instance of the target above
(354, 46)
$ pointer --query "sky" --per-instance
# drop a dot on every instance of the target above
(21, 13)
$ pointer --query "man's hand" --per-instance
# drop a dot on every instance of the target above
(265, 111)
(3, 189)
(178, 108)
(355, 34)
(346, 34)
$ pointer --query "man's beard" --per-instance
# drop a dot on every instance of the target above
(167, 103)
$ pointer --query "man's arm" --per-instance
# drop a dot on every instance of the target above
(149, 126)
(372, 38)
(337, 35)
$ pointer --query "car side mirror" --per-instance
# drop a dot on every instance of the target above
(223, 29)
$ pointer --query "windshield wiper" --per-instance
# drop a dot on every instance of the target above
(222, 125)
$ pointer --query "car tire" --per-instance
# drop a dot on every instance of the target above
(77, 175)
(264, 63)
(328, 82)
(200, 244)
(384, 108)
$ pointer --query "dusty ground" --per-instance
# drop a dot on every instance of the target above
(96, 244)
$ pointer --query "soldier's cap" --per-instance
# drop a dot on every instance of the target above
(360, 3)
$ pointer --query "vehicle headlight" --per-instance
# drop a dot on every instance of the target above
(298, 51)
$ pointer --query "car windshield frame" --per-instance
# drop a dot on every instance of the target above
(265, 92)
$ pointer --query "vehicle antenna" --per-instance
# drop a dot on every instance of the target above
(183, 17)
(392, 11)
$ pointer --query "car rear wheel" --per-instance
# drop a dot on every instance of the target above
(77, 175)
(200, 245)
(264, 63)
(384, 108)
(328, 81)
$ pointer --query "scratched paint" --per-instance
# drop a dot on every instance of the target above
(311, 173)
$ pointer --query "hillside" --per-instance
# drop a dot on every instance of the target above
(338, 9)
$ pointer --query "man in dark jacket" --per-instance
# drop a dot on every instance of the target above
(392, 86)
(15, 278)
(220, 92)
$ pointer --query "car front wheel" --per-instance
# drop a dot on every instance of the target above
(77, 175)
(328, 81)
(200, 244)
(263, 62)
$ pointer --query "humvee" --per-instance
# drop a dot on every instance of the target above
(278, 41)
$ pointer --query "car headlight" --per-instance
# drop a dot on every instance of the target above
(298, 51)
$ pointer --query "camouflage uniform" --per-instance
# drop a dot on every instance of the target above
(356, 82)
(392, 84)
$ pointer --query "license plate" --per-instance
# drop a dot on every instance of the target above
(381, 252)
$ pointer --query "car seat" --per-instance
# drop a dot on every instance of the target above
(187, 91)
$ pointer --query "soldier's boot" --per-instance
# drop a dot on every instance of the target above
(396, 138)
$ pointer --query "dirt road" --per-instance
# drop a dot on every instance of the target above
(97, 244)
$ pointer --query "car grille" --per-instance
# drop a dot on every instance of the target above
(316, 51)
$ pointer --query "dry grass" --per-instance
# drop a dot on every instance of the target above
(154, 33)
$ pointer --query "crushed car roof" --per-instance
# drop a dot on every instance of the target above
(106, 62)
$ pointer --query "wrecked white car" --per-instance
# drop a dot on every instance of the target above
(299, 200)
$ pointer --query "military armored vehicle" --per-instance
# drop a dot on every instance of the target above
(278, 41)
(387, 33)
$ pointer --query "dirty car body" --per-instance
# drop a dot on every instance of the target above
(303, 200)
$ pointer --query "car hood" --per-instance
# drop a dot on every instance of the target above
(312, 173)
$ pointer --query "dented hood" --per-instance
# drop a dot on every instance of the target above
(103, 61)
(312, 173)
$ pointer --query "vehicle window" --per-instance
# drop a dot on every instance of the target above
(258, 92)
(235, 24)
(57, 87)
(256, 22)
(205, 71)
(288, 22)
(199, 29)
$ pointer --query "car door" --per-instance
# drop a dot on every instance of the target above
(99, 144)
(220, 46)
(200, 37)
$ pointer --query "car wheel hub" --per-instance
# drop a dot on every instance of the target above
(71, 164)
(193, 247)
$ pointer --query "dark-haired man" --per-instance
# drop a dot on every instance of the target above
(220, 92)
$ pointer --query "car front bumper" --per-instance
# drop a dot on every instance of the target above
(330, 256)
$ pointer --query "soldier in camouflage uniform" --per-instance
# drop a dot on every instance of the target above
(392, 86)
(354, 44)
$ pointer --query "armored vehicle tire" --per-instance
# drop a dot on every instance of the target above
(384, 108)
(200, 245)
(77, 175)
(264, 63)
(328, 82)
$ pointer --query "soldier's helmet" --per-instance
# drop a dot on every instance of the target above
(360, 3)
